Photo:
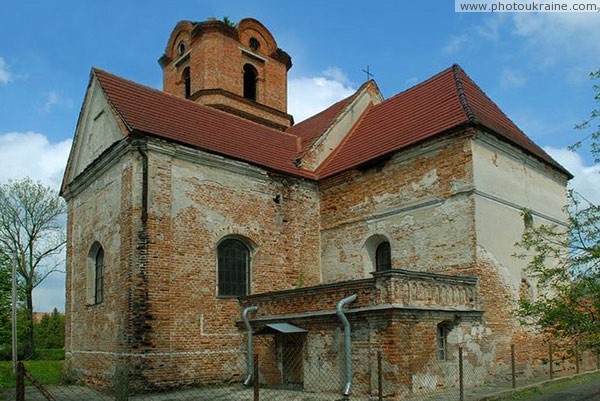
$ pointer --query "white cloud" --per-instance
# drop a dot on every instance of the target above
(53, 99)
(587, 177)
(561, 37)
(547, 39)
(490, 29)
(31, 154)
(5, 74)
(309, 95)
(556, 35)
(456, 44)
(512, 79)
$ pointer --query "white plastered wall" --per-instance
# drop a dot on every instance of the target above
(97, 130)
(507, 181)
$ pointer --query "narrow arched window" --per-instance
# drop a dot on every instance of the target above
(250, 76)
(442, 341)
(99, 276)
(233, 266)
(383, 257)
(187, 82)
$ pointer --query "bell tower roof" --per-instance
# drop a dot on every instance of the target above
(235, 68)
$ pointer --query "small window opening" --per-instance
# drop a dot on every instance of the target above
(99, 276)
(254, 44)
(250, 76)
(383, 257)
(181, 48)
(187, 82)
(442, 342)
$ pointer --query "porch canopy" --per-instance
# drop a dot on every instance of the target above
(282, 328)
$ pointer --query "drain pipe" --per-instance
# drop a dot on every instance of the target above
(250, 357)
(347, 343)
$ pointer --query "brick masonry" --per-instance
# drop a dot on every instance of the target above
(160, 210)
(215, 55)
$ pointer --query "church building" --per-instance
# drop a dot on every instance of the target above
(201, 216)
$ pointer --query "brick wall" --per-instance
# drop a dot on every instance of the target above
(192, 207)
(107, 212)
(414, 200)
(216, 61)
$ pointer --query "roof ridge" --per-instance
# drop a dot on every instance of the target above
(190, 102)
(461, 93)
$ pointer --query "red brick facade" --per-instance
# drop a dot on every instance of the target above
(216, 54)
(160, 209)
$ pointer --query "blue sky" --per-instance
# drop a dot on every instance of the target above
(534, 66)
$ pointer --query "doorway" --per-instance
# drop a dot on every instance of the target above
(291, 356)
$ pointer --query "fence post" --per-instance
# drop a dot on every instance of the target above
(577, 356)
(461, 374)
(551, 360)
(255, 376)
(20, 377)
(597, 359)
(379, 377)
(513, 366)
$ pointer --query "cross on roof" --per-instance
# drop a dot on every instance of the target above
(368, 72)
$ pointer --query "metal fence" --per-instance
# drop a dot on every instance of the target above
(283, 368)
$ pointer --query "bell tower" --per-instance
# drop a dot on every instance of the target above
(238, 69)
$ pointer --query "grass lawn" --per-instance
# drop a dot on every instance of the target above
(47, 372)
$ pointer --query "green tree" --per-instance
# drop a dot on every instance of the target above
(50, 331)
(566, 260)
(566, 263)
(32, 225)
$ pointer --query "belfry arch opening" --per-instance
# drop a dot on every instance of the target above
(187, 82)
(250, 82)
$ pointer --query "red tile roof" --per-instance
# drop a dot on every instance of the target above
(448, 100)
(444, 102)
(166, 116)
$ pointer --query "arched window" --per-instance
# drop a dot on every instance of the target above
(250, 76)
(187, 82)
(383, 257)
(233, 266)
(99, 276)
(95, 274)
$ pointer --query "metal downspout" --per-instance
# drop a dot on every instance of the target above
(250, 356)
(347, 343)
